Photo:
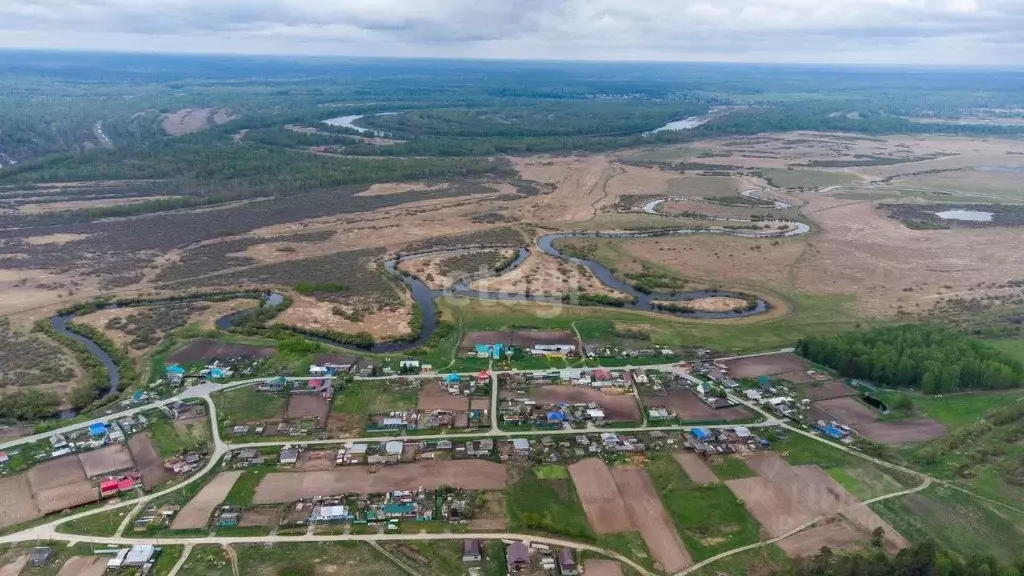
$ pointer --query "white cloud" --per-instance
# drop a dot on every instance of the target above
(919, 31)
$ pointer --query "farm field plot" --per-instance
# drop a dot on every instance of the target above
(695, 468)
(282, 487)
(433, 397)
(864, 420)
(688, 407)
(829, 391)
(516, 338)
(600, 497)
(196, 514)
(833, 532)
(595, 567)
(783, 497)
(16, 502)
(649, 516)
(113, 458)
(148, 462)
(84, 566)
(200, 350)
(55, 473)
(768, 365)
(66, 496)
(301, 406)
(617, 407)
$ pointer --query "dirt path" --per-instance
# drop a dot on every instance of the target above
(232, 557)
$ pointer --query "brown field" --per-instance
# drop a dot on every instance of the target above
(316, 460)
(309, 313)
(263, 516)
(54, 473)
(201, 349)
(833, 532)
(765, 365)
(113, 458)
(617, 407)
(518, 338)
(600, 497)
(688, 407)
(480, 404)
(66, 496)
(544, 275)
(649, 516)
(12, 432)
(196, 514)
(864, 419)
(282, 487)
(308, 406)
(15, 567)
(84, 566)
(433, 397)
(698, 470)
(149, 463)
(783, 497)
(594, 567)
(16, 502)
(838, 389)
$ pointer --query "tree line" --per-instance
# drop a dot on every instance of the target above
(923, 560)
(933, 359)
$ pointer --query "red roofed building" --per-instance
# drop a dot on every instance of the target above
(483, 376)
(109, 487)
(125, 484)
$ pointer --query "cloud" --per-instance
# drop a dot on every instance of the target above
(918, 31)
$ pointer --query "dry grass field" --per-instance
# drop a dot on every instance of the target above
(312, 314)
(191, 120)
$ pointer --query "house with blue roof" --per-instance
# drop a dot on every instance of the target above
(452, 378)
(175, 369)
(97, 430)
(702, 434)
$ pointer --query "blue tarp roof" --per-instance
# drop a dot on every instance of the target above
(701, 433)
(556, 416)
(175, 369)
(137, 395)
(218, 372)
(833, 431)
(97, 429)
(453, 377)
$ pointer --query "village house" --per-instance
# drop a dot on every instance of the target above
(289, 455)
(567, 563)
(471, 551)
(517, 557)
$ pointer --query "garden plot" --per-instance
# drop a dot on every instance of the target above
(695, 467)
(148, 462)
(16, 502)
(106, 460)
(864, 419)
(784, 497)
(617, 407)
(84, 566)
(600, 497)
(434, 397)
(767, 365)
(308, 406)
(649, 515)
(594, 567)
(284, 487)
(196, 514)
(688, 407)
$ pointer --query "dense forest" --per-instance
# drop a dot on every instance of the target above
(933, 359)
(923, 560)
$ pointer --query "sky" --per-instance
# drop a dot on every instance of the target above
(942, 32)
